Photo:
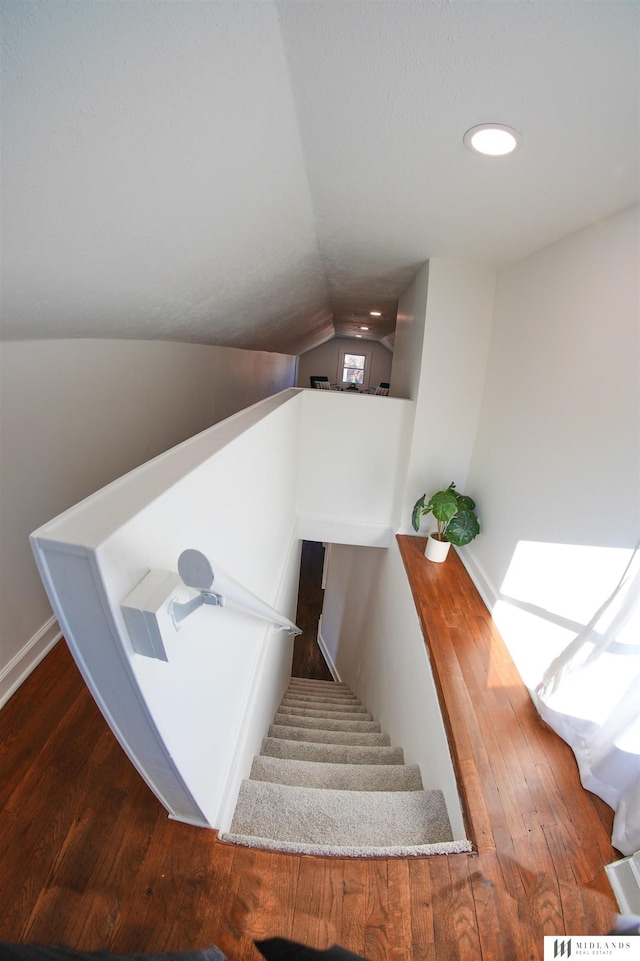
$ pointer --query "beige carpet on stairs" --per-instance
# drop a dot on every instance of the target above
(329, 782)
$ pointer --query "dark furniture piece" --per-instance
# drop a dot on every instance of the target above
(322, 383)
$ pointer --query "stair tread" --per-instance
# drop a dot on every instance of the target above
(326, 723)
(317, 682)
(346, 817)
(335, 753)
(316, 699)
(318, 736)
(344, 777)
(318, 712)
(345, 707)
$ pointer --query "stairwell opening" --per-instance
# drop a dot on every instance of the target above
(329, 782)
(308, 661)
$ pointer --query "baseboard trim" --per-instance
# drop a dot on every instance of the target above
(478, 575)
(335, 674)
(196, 822)
(28, 658)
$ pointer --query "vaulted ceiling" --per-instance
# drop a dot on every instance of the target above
(263, 175)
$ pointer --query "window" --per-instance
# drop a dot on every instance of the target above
(353, 369)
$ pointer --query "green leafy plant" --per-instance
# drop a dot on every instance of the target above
(454, 514)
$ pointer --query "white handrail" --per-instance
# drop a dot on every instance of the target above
(196, 571)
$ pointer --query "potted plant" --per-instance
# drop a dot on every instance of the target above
(455, 517)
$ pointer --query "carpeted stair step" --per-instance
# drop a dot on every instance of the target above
(318, 685)
(329, 688)
(341, 707)
(317, 712)
(326, 723)
(333, 687)
(328, 782)
(324, 695)
(329, 737)
(320, 695)
(356, 818)
(331, 753)
(340, 777)
(320, 689)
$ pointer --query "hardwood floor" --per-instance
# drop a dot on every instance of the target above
(89, 857)
(307, 659)
(542, 841)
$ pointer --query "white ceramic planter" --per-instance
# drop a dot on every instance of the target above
(436, 550)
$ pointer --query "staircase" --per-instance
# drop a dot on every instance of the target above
(329, 782)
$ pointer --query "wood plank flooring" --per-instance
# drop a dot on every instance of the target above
(542, 841)
(307, 659)
(88, 856)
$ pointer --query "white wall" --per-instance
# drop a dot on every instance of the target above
(409, 337)
(190, 723)
(447, 351)
(326, 359)
(76, 414)
(234, 493)
(556, 464)
(352, 465)
(373, 640)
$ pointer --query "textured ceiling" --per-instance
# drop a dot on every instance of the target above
(265, 174)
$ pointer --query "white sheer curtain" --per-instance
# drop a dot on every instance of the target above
(590, 695)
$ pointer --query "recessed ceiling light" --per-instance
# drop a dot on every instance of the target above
(358, 335)
(375, 313)
(364, 328)
(493, 139)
